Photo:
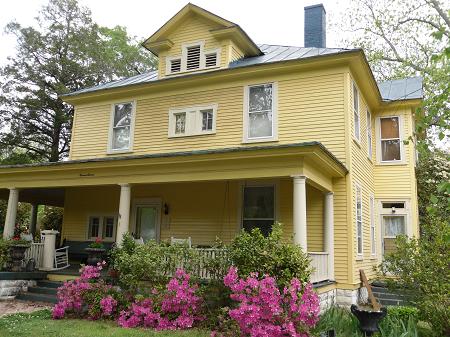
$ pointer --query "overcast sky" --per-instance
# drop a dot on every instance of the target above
(272, 22)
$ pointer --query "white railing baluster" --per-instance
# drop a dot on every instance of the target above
(36, 252)
(319, 262)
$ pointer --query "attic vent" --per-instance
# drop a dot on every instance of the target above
(175, 66)
(193, 57)
(211, 60)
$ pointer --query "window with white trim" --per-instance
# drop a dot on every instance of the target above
(373, 241)
(369, 134)
(103, 227)
(192, 121)
(389, 139)
(258, 209)
(394, 222)
(260, 115)
(359, 220)
(193, 57)
(356, 116)
(121, 132)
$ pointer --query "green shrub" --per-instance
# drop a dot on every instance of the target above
(404, 313)
(254, 252)
(4, 252)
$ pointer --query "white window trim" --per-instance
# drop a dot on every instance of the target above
(100, 229)
(151, 202)
(110, 150)
(373, 240)
(196, 129)
(256, 183)
(359, 255)
(183, 58)
(274, 137)
(357, 138)
(378, 147)
(383, 212)
(369, 134)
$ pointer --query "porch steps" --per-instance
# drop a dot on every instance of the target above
(387, 297)
(44, 291)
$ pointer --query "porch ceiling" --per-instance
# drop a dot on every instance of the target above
(40, 196)
(311, 159)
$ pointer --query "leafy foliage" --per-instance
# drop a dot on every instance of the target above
(254, 252)
(52, 218)
(66, 51)
(422, 267)
(4, 252)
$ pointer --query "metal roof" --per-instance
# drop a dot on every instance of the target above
(409, 88)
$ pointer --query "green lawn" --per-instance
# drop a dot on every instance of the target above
(40, 324)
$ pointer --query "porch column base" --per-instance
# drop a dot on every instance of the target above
(11, 213)
(124, 212)
(299, 216)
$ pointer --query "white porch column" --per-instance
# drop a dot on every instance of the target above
(300, 237)
(49, 249)
(33, 219)
(329, 232)
(11, 212)
(124, 212)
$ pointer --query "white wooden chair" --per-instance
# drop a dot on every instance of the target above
(62, 258)
(176, 241)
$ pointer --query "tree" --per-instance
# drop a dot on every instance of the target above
(67, 52)
(408, 38)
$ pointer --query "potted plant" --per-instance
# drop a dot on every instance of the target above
(95, 252)
(17, 250)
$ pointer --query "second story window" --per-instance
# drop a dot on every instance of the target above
(192, 121)
(260, 112)
(389, 139)
(121, 127)
(356, 116)
(369, 134)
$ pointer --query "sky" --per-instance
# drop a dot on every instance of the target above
(272, 22)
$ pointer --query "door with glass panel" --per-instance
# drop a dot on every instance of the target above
(147, 221)
(258, 209)
(393, 224)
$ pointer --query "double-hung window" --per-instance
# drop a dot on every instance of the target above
(260, 113)
(359, 221)
(258, 209)
(356, 115)
(390, 145)
(192, 121)
(103, 227)
(394, 216)
(369, 134)
(121, 131)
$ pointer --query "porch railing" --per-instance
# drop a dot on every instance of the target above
(35, 252)
(319, 262)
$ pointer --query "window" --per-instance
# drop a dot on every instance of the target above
(258, 208)
(356, 117)
(359, 221)
(390, 142)
(192, 121)
(260, 112)
(193, 57)
(394, 216)
(121, 131)
(373, 249)
(369, 134)
(103, 227)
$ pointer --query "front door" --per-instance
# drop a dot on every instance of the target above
(147, 221)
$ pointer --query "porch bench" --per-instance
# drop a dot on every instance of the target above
(77, 249)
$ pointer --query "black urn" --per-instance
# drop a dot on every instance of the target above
(368, 320)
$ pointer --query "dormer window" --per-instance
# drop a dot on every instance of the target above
(193, 57)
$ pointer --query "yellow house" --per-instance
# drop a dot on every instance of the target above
(227, 134)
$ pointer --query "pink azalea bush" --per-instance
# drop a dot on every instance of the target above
(80, 295)
(178, 307)
(264, 310)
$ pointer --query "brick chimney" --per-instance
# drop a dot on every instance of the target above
(315, 26)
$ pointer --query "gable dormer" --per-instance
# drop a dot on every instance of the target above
(195, 40)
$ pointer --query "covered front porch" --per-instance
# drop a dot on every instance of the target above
(200, 200)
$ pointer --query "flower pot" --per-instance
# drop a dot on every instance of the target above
(95, 255)
(368, 320)
(17, 253)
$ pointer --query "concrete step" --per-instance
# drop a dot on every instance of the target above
(391, 302)
(42, 290)
(29, 296)
(49, 284)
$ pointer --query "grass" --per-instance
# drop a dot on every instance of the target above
(40, 324)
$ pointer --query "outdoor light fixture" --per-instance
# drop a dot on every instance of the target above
(393, 209)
